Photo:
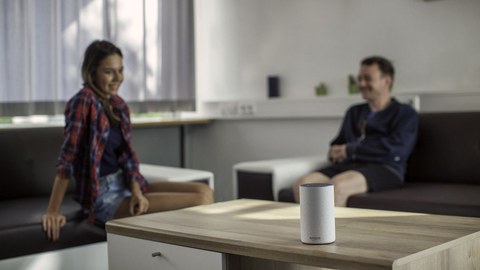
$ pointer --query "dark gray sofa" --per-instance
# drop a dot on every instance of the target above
(27, 166)
(443, 174)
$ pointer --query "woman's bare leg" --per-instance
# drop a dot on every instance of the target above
(202, 190)
(165, 196)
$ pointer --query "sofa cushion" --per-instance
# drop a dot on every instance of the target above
(286, 195)
(31, 239)
(29, 211)
(21, 224)
(447, 149)
(254, 185)
(445, 199)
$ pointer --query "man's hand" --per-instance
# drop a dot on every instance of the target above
(338, 153)
(52, 223)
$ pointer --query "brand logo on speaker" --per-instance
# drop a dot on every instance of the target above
(315, 237)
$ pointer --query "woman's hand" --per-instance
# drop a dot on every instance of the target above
(52, 223)
(138, 204)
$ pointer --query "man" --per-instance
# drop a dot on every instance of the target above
(375, 140)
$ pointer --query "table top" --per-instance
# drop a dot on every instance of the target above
(365, 239)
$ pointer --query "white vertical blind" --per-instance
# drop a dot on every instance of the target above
(42, 44)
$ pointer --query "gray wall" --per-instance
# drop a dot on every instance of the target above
(218, 146)
(157, 145)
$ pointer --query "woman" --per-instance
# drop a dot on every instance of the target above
(98, 154)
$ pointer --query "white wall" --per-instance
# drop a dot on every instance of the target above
(434, 45)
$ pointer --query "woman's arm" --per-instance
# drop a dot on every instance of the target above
(53, 220)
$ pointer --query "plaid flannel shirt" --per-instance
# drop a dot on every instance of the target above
(85, 136)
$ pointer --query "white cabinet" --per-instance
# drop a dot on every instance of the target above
(132, 253)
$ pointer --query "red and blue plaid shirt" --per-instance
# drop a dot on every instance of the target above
(85, 136)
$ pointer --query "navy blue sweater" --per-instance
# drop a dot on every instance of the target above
(385, 137)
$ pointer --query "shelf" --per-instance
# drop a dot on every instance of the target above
(321, 107)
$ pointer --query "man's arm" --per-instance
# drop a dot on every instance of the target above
(338, 150)
(395, 147)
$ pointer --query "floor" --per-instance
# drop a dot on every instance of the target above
(91, 257)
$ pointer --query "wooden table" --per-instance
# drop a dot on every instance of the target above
(254, 234)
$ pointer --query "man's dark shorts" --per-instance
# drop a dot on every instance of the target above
(379, 177)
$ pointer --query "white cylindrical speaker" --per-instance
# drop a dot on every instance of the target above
(317, 213)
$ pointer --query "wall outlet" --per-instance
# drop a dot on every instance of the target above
(247, 108)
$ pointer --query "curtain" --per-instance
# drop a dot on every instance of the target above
(42, 44)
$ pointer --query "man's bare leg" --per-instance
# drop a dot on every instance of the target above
(345, 185)
(314, 177)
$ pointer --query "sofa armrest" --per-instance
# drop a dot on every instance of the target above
(283, 172)
(157, 173)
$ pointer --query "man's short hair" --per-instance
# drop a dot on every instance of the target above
(383, 64)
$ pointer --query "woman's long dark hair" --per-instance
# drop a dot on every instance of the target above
(95, 53)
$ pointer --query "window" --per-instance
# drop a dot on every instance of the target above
(42, 44)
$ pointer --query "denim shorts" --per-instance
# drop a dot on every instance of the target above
(113, 191)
